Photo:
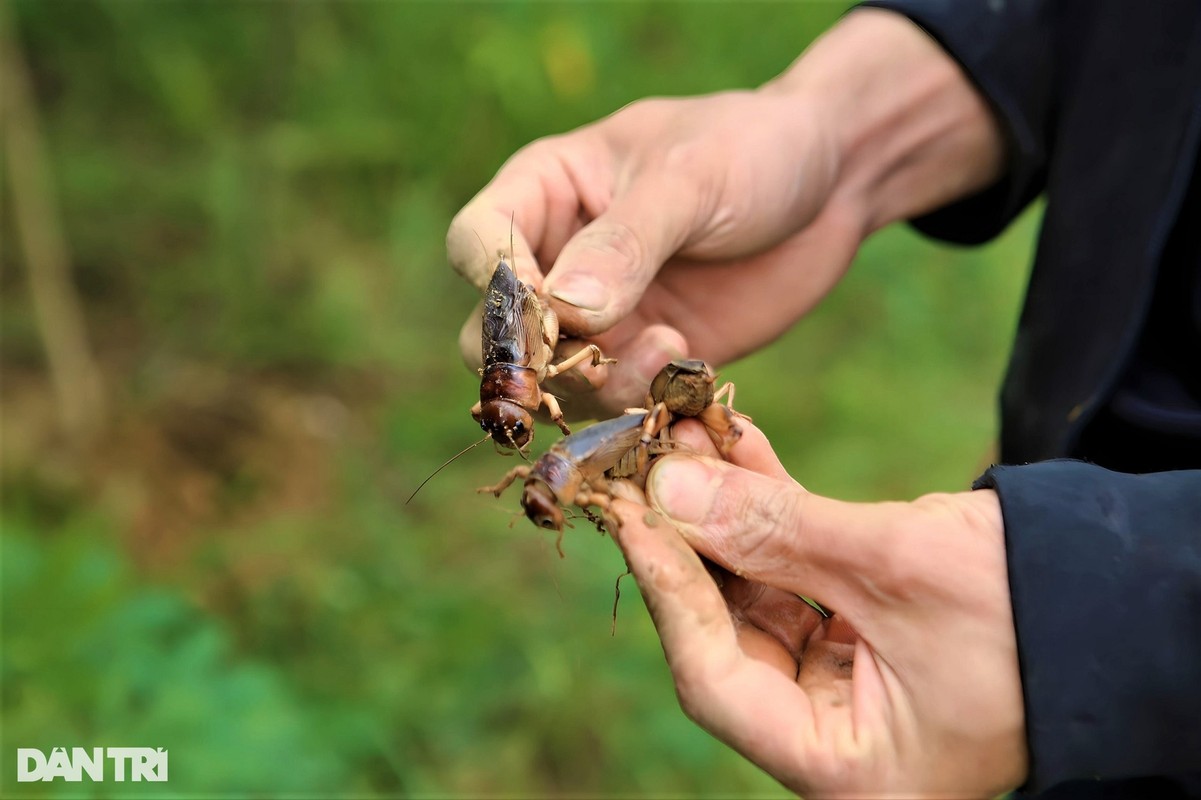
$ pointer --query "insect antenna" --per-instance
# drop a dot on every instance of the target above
(512, 441)
(483, 246)
(445, 464)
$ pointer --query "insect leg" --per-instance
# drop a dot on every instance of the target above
(521, 471)
(556, 413)
(656, 420)
(728, 389)
(593, 495)
(589, 351)
(727, 392)
(719, 422)
(595, 519)
(602, 500)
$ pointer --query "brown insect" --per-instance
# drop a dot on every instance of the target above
(519, 335)
(684, 388)
(576, 470)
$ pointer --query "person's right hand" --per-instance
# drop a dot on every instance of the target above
(704, 227)
(679, 227)
(911, 689)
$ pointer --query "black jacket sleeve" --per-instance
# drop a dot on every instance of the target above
(1005, 48)
(1105, 576)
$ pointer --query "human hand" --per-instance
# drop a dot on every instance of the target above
(704, 227)
(911, 688)
(673, 227)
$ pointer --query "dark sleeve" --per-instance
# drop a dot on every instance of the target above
(1005, 48)
(1105, 577)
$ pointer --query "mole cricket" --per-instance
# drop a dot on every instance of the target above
(576, 470)
(520, 331)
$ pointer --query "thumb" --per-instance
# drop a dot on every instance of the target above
(602, 272)
(770, 530)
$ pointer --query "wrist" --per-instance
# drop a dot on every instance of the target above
(904, 129)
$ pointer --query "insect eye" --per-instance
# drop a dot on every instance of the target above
(546, 522)
(518, 427)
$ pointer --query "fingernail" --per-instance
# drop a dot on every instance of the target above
(581, 291)
(683, 489)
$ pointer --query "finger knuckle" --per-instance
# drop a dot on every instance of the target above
(539, 150)
(761, 520)
(685, 160)
(641, 112)
(621, 245)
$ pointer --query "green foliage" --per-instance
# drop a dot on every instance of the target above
(93, 656)
(256, 193)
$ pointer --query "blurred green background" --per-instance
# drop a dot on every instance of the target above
(205, 546)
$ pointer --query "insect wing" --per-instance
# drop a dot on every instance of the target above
(530, 321)
(599, 447)
(512, 329)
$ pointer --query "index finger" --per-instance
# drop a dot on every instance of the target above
(732, 695)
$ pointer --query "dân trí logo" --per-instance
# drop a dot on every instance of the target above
(127, 764)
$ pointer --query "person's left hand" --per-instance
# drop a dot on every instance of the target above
(911, 688)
